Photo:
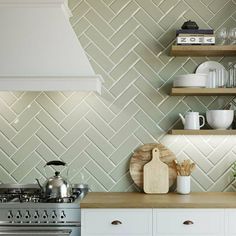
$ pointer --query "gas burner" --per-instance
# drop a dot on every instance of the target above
(29, 198)
(60, 200)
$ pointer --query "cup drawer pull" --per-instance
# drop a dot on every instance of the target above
(188, 222)
(116, 222)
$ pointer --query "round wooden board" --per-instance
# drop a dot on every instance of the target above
(143, 155)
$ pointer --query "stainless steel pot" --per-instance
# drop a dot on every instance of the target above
(56, 186)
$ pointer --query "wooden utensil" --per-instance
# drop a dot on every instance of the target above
(143, 155)
(156, 175)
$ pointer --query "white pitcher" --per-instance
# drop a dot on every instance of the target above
(191, 120)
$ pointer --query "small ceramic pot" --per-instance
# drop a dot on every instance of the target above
(183, 184)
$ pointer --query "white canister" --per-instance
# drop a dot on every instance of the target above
(183, 184)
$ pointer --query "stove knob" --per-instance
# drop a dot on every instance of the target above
(45, 215)
(27, 215)
(36, 215)
(53, 215)
(18, 215)
(63, 215)
(9, 215)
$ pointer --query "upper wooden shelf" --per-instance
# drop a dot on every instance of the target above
(202, 132)
(203, 91)
(203, 50)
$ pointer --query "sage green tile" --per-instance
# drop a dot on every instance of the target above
(120, 170)
(50, 140)
(205, 100)
(51, 125)
(6, 112)
(226, 10)
(127, 96)
(84, 40)
(57, 97)
(100, 108)
(148, 57)
(99, 57)
(6, 146)
(123, 183)
(143, 135)
(50, 107)
(99, 174)
(123, 15)
(75, 133)
(45, 153)
(167, 4)
(77, 164)
(99, 141)
(150, 8)
(148, 40)
(123, 116)
(173, 15)
(75, 149)
(102, 9)
(25, 150)
(121, 33)
(148, 23)
(148, 91)
(124, 132)
(79, 11)
(72, 101)
(169, 104)
(124, 82)
(147, 72)
(95, 185)
(5, 177)
(6, 129)
(28, 114)
(7, 163)
(124, 65)
(216, 5)
(82, 176)
(99, 40)
(26, 166)
(74, 116)
(25, 133)
(189, 66)
(149, 124)
(97, 155)
(8, 97)
(81, 26)
(194, 104)
(173, 116)
(99, 124)
(99, 23)
(121, 51)
(118, 5)
(205, 13)
(220, 102)
(32, 175)
(122, 152)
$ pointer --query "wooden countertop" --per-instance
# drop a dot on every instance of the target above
(170, 200)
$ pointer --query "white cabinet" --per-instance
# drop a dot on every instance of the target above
(120, 222)
(176, 222)
(158, 222)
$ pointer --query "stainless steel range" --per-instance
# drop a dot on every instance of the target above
(23, 211)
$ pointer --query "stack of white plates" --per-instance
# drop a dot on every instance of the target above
(190, 80)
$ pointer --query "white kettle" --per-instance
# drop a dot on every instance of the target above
(191, 120)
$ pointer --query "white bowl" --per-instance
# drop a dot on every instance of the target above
(220, 119)
(190, 80)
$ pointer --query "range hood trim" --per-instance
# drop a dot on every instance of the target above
(47, 83)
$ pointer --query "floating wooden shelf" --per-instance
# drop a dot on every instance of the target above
(202, 132)
(203, 50)
(203, 91)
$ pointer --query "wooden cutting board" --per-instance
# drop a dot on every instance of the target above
(143, 155)
(155, 175)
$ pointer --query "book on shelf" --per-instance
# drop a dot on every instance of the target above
(194, 31)
(195, 39)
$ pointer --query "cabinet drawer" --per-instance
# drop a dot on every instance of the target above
(189, 222)
(230, 216)
(116, 222)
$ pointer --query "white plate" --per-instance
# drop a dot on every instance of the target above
(205, 67)
(190, 80)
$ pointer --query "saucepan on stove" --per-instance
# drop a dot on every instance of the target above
(56, 186)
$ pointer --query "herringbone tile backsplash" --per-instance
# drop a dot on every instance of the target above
(128, 43)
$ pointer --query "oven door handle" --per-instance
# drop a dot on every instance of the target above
(38, 232)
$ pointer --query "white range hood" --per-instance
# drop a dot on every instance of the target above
(39, 50)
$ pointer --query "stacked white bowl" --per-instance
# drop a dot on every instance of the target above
(190, 80)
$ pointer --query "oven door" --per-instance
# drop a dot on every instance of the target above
(39, 231)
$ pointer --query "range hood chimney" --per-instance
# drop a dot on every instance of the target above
(39, 49)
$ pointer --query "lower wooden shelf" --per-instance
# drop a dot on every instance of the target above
(202, 132)
(203, 91)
